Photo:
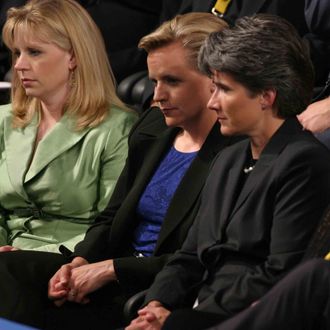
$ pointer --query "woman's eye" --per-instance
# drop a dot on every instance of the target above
(34, 52)
(172, 81)
(223, 88)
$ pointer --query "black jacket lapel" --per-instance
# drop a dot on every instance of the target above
(274, 147)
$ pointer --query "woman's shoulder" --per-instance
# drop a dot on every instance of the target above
(117, 115)
(5, 111)
(307, 146)
(117, 124)
(117, 119)
(152, 121)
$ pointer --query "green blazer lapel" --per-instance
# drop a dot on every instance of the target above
(19, 149)
(277, 143)
(61, 138)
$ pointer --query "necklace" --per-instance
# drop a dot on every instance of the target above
(249, 169)
(249, 163)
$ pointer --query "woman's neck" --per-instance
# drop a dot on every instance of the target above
(50, 114)
(193, 136)
(260, 140)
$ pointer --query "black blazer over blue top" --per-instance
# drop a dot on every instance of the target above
(244, 240)
(111, 235)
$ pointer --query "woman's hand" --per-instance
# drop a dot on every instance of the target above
(6, 248)
(88, 278)
(59, 284)
(151, 317)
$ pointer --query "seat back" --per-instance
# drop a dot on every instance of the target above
(136, 91)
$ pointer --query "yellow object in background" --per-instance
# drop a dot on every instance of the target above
(220, 7)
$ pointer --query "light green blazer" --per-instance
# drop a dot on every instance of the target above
(50, 198)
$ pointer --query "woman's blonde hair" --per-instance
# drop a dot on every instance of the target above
(190, 29)
(66, 24)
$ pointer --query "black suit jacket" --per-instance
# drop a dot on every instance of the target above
(111, 236)
(245, 240)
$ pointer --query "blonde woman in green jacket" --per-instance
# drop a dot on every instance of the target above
(63, 138)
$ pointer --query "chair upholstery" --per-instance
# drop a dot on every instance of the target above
(132, 305)
(136, 90)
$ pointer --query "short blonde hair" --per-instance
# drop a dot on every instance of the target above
(71, 28)
(190, 29)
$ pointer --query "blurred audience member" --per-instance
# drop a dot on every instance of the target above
(316, 117)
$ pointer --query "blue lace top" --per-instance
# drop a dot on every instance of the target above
(156, 198)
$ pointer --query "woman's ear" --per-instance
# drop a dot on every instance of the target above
(267, 99)
(72, 62)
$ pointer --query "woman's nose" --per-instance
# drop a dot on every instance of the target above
(214, 102)
(21, 63)
(159, 93)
